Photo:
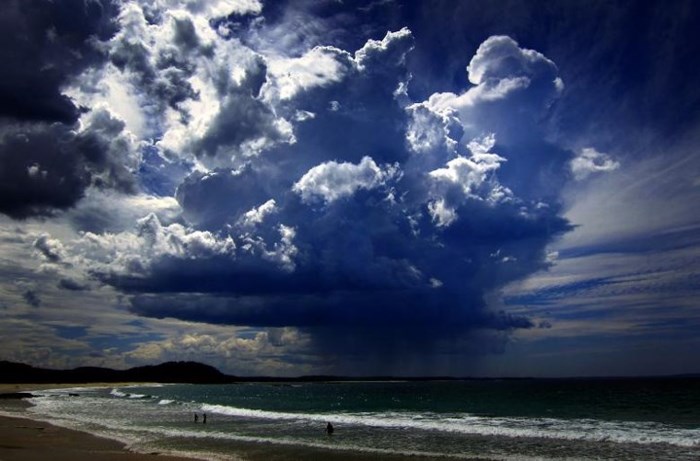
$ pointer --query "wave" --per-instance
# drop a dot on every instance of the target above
(130, 421)
(118, 393)
(550, 428)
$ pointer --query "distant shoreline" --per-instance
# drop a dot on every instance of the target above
(199, 373)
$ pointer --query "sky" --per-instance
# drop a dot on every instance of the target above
(465, 188)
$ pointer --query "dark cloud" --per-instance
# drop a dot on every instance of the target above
(378, 310)
(355, 225)
(71, 285)
(315, 190)
(356, 116)
(243, 118)
(359, 262)
(47, 167)
(301, 167)
(47, 161)
(213, 199)
(32, 298)
(45, 45)
(39, 173)
(49, 248)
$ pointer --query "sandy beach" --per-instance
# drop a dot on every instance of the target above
(23, 439)
(28, 440)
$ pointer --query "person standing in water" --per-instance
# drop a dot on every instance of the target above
(329, 429)
(196, 417)
(204, 418)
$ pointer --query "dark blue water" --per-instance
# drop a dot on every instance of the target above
(486, 419)
(665, 401)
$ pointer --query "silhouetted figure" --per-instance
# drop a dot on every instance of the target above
(329, 429)
(196, 417)
(204, 418)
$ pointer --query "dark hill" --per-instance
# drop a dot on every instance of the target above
(178, 372)
(169, 372)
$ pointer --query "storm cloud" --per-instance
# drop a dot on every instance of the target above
(45, 45)
(51, 147)
(372, 211)
(313, 189)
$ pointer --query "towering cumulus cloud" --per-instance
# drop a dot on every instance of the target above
(313, 190)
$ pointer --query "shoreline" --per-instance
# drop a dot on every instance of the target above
(24, 387)
(23, 438)
(159, 419)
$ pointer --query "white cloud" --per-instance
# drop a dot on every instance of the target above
(591, 161)
(559, 84)
(500, 57)
(173, 78)
(50, 249)
(320, 66)
(243, 351)
(332, 180)
(210, 9)
(35, 171)
(435, 283)
(429, 131)
(176, 240)
(109, 88)
(133, 252)
(472, 173)
(124, 210)
(473, 176)
(499, 68)
(257, 215)
(325, 65)
(651, 196)
(284, 251)
(442, 214)
(303, 115)
(394, 44)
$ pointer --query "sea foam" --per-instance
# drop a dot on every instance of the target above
(550, 428)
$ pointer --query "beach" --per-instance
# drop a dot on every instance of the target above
(23, 439)
(28, 440)
(583, 420)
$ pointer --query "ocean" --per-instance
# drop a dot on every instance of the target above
(567, 419)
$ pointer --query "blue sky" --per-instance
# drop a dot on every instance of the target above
(383, 187)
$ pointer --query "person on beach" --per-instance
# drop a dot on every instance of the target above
(196, 417)
(329, 429)
(204, 418)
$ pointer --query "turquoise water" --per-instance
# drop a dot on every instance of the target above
(489, 419)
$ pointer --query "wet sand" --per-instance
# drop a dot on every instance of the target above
(28, 440)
